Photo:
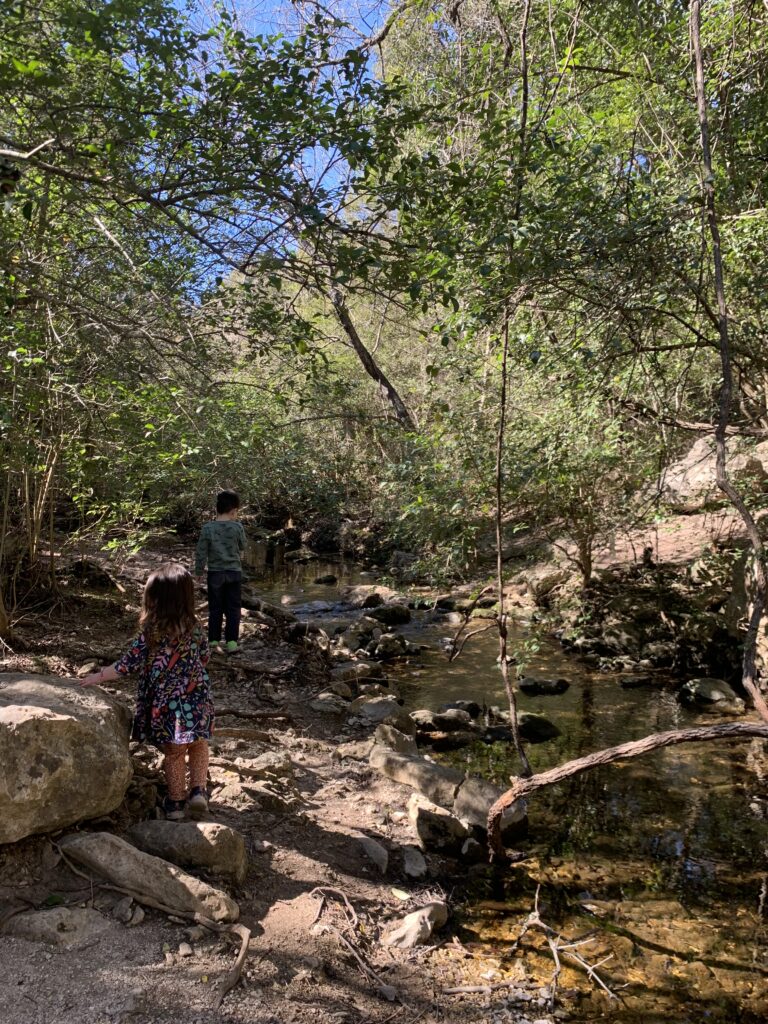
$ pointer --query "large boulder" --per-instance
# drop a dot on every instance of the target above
(195, 844)
(63, 754)
(147, 876)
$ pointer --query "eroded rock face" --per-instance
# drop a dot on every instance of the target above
(63, 754)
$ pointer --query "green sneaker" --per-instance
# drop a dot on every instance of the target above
(216, 646)
(231, 646)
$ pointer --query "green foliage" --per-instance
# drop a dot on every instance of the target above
(183, 207)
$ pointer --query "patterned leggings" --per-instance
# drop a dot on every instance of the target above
(175, 767)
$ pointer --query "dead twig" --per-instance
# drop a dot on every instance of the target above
(324, 891)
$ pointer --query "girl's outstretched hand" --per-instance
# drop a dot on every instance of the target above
(92, 679)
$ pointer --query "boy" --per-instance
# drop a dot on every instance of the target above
(219, 546)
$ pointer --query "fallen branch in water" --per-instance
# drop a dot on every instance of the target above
(522, 787)
(566, 949)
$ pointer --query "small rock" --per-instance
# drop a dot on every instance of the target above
(436, 827)
(123, 909)
(340, 689)
(68, 927)
(416, 928)
(414, 865)
(375, 852)
(388, 736)
(185, 949)
(137, 917)
(195, 933)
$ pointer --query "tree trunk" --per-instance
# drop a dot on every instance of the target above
(370, 365)
(749, 668)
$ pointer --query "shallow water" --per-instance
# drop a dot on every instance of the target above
(664, 857)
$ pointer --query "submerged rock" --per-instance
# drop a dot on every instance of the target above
(471, 707)
(392, 614)
(543, 687)
(533, 729)
(451, 720)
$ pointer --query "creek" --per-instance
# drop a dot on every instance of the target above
(662, 859)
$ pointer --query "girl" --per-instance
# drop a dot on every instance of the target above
(174, 710)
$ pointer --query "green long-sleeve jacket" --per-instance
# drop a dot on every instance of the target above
(219, 546)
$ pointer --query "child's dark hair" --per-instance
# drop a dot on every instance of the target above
(226, 501)
(168, 604)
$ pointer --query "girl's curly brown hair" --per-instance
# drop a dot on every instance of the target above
(168, 604)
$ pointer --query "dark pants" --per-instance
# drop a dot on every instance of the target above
(224, 602)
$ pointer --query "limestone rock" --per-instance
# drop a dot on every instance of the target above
(358, 750)
(357, 671)
(691, 483)
(712, 695)
(366, 595)
(416, 928)
(436, 827)
(392, 614)
(436, 782)
(414, 865)
(375, 852)
(63, 754)
(196, 844)
(144, 875)
(68, 927)
(388, 736)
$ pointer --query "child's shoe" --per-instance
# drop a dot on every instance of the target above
(231, 646)
(173, 809)
(216, 647)
(197, 804)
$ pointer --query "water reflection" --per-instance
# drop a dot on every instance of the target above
(686, 824)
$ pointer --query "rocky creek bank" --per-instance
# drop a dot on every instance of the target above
(321, 871)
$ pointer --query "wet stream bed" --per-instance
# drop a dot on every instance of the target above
(662, 860)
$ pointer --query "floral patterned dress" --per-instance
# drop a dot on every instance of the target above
(173, 699)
